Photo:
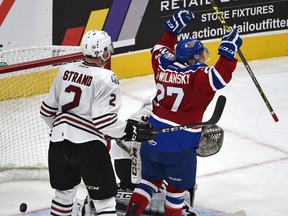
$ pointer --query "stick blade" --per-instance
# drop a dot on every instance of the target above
(219, 108)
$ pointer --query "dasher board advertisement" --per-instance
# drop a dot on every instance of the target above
(138, 24)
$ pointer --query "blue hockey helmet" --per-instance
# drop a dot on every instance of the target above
(191, 48)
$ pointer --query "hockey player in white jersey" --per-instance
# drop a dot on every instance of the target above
(82, 109)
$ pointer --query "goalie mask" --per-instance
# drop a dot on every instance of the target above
(97, 44)
(211, 141)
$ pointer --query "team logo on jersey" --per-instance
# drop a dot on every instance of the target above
(114, 79)
(169, 56)
(152, 142)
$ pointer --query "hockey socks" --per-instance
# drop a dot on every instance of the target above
(58, 209)
(137, 204)
(174, 201)
(172, 212)
(143, 193)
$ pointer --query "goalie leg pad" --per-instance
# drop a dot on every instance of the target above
(191, 194)
(105, 206)
(136, 163)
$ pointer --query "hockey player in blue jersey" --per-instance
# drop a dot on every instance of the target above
(185, 87)
(127, 160)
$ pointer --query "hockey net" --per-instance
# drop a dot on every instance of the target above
(26, 75)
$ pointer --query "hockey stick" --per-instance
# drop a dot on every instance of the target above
(227, 29)
(123, 146)
(218, 110)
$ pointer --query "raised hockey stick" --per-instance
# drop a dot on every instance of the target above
(218, 110)
(260, 90)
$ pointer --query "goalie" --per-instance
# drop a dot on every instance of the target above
(127, 161)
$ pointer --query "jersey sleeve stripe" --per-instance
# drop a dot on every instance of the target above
(76, 121)
(215, 79)
(156, 47)
(47, 111)
(104, 120)
(49, 107)
(103, 116)
(100, 128)
(77, 126)
(44, 115)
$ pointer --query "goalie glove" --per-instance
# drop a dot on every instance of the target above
(178, 21)
(230, 44)
(211, 141)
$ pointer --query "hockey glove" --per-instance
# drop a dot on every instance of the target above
(230, 44)
(136, 131)
(178, 21)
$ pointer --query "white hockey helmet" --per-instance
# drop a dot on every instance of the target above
(96, 43)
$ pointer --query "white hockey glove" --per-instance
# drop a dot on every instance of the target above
(178, 21)
(136, 131)
(211, 141)
(230, 44)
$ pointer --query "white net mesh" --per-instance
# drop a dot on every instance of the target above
(24, 137)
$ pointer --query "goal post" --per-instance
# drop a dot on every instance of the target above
(26, 75)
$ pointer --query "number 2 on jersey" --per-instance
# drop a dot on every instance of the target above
(76, 100)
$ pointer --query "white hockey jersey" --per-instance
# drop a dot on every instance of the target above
(83, 104)
(142, 116)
